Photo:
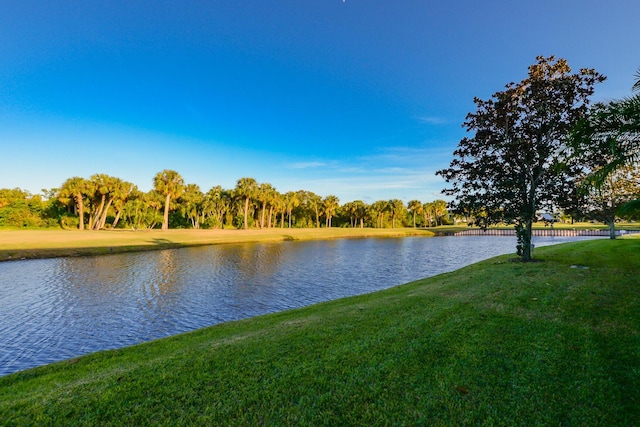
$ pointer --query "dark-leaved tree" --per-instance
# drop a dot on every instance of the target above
(508, 169)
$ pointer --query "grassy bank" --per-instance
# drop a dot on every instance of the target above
(496, 343)
(28, 244)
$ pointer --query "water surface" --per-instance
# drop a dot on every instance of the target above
(54, 309)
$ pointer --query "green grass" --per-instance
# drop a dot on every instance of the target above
(497, 343)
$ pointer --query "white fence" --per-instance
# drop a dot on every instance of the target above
(545, 232)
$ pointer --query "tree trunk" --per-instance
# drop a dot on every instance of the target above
(103, 218)
(165, 218)
(115, 221)
(80, 205)
(264, 209)
(98, 214)
(246, 212)
(526, 241)
(612, 229)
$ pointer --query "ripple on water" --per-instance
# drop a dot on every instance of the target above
(61, 308)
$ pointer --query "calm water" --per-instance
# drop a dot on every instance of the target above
(60, 308)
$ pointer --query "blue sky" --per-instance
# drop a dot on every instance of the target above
(363, 99)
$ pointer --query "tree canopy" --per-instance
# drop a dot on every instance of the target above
(508, 168)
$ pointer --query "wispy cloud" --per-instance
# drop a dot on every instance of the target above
(402, 172)
(306, 165)
(433, 120)
(402, 156)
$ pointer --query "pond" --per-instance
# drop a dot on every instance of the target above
(55, 309)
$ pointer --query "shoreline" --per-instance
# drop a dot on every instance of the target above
(30, 244)
(41, 244)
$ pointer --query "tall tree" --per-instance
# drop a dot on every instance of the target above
(264, 194)
(217, 203)
(330, 205)
(611, 130)
(377, 210)
(122, 191)
(439, 210)
(604, 201)
(607, 140)
(75, 188)
(276, 205)
(102, 187)
(361, 211)
(415, 207)
(396, 207)
(106, 190)
(428, 213)
(314, 203)
(508, 168)
(291, 201)
(350, 208)
(170, 184)
(246, 189)
(191, 204)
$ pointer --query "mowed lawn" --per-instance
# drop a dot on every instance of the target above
(553, 342)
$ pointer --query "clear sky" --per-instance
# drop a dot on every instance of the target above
(363, 99)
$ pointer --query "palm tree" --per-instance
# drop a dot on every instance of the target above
(191, 204)
(604, 142)
(170, 184)
(264, 194)
(107, 190)
(75, 188)
(350, 208)
(611, 129)
(275, 206)
(415, 207)
(291, 201)
(216, 204)
(396, 207)
(246, 189)
(378, 210)
(314, 202)
(330, 205)
(361, 211)
(428, 213)
(122, 191)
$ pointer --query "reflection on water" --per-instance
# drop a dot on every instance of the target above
(60, 308)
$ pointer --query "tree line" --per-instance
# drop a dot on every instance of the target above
(107, 202)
